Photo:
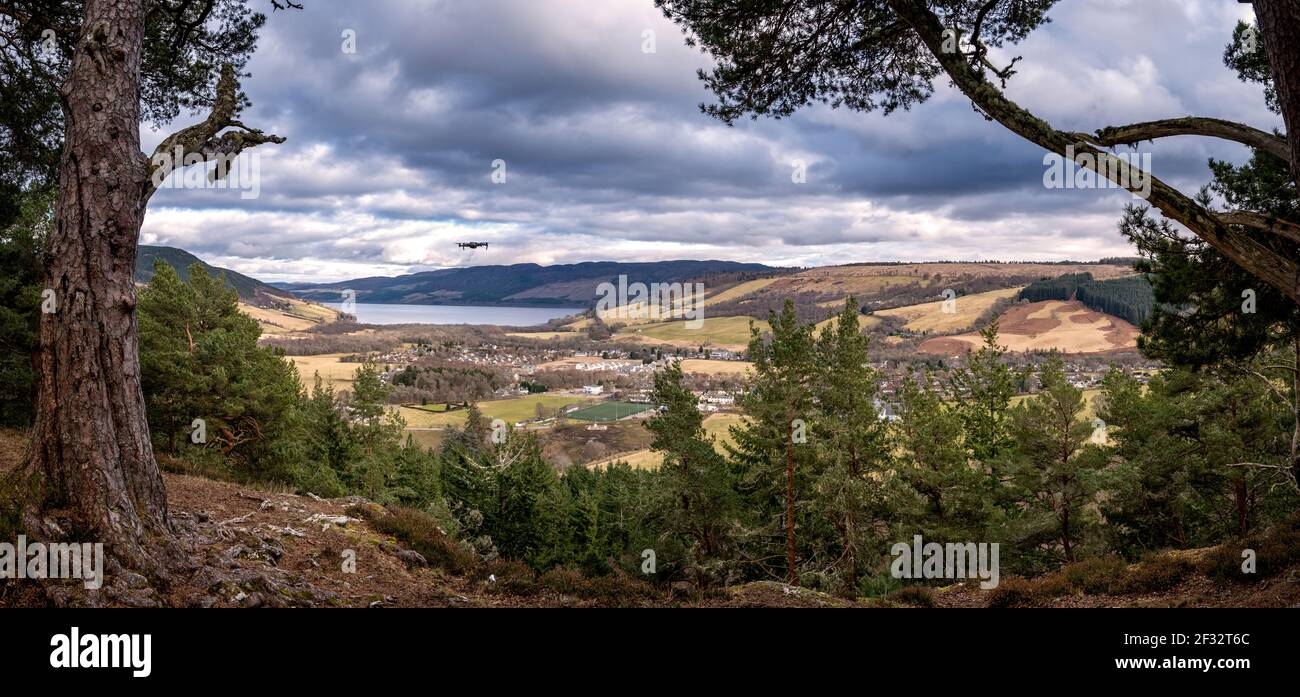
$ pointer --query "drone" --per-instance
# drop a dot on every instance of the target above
(472, 245)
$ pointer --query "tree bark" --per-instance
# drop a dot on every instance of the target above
(1065, 533)
(1279, 26)
(1194, 126)
(792, 576)
(91, 459)
(1239, 499)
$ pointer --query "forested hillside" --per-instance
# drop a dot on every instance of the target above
(1129, 298)
(250, 290)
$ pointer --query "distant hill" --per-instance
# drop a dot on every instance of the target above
(520, 284)
(1130, 298)
(251, 290)
(911, 293)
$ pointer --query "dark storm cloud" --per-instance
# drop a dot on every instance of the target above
(391, 149)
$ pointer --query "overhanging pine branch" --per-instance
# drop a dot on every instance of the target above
(209, 140)
(1241, 248)
(1195, 126)
(1281, 228)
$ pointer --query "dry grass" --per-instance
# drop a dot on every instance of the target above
(931, 318)
(867, 280)
(1089, 403)
(544, 336)
(300, 317)
(331, 371)
(639, 314)
(429, 440)
(716, 425)
(511, 410)
(1068, 327)
(709, 367)
(739, 291)
(639, 459)
(843, 281)
(864, 323)
(731, 333)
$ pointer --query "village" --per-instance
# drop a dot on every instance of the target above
(599, 385)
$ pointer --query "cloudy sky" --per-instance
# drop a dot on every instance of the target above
(391, 148)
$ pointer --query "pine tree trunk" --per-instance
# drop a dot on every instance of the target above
(1243, 509)
(91, 451)
(1065, 536)
(1279, 25)
(791, 574)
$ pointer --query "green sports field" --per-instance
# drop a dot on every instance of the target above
(608, 411)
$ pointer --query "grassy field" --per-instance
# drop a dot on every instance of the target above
(640, 459)
(1068, 327)
(300, 316)
(930, 317)
(706, 367)
(428, 439)
(544, 336)
(639, 314)
(716, 425)
(864, 322)
(866, 280)
(608, 411)
(332, 372)
(845, 281)
(511, 410)
(721, 332)
(1089, 402)
(739, 291)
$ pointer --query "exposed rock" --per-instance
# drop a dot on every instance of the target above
(327, 519)
(412, 558)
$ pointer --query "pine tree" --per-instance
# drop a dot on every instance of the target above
(1171, 484)
(200, 361)
(774, 465)
(415, 479)
(1051, 469)
(983, 390)
(377, 431)
(934, 460)
(855, 486)
(697, 480)
(528, 517)
(329, 444)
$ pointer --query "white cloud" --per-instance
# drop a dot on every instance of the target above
(389, 150)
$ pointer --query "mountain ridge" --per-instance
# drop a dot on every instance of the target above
(251, 290)
(519, 284)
